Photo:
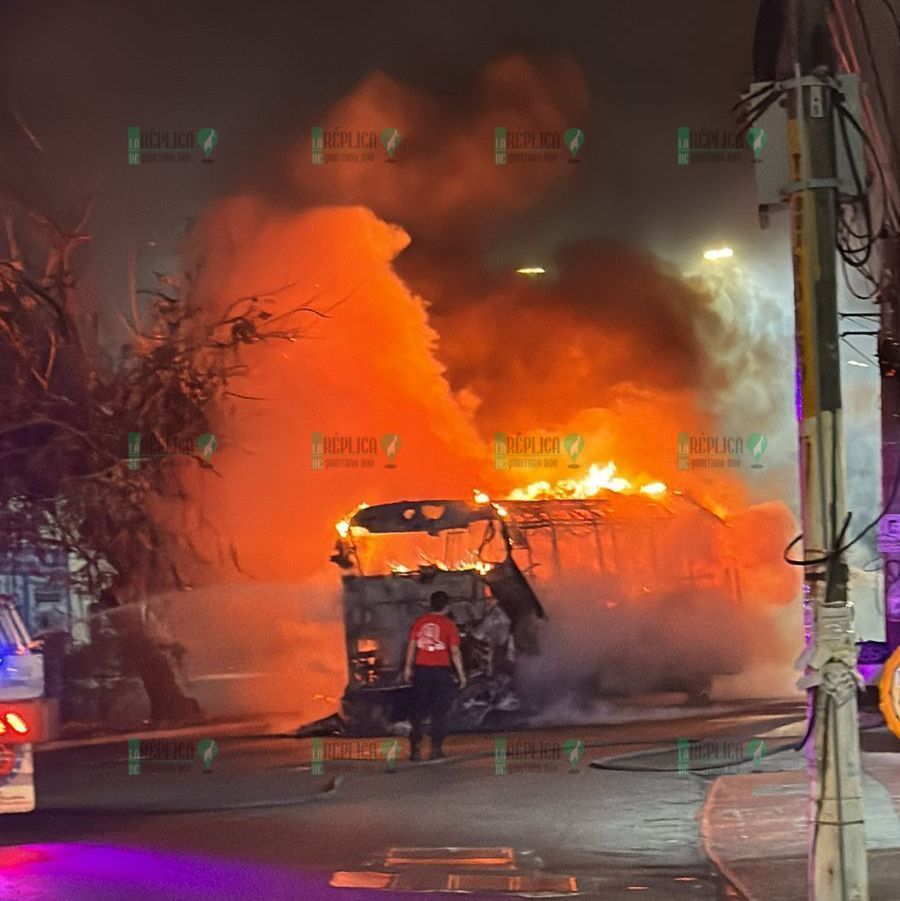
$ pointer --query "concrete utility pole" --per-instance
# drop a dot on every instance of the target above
(838, 869)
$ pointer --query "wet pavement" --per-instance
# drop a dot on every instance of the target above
(295, 820)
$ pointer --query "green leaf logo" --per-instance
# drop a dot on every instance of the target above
(207, 138)
(207, 748)
(574, 445)
(573, 748)
(500, 756)
(756, 138)
(206, 444)
(390, 140)
(755, 748)
(757, 443)
(573, 138)
(390, 444)
(390, 750)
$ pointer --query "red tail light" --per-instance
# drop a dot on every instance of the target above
(16, 723)
(28, 721)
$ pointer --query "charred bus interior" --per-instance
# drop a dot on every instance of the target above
(498, 562)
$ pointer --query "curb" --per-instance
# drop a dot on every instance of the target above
(719, 862)
(230, 728)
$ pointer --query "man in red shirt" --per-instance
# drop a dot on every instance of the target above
(433, 644)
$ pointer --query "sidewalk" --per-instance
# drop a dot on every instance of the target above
(754, 826)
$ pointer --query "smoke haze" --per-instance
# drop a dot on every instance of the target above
(422, 338)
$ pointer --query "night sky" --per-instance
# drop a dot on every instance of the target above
(77, 74)
(262, 74)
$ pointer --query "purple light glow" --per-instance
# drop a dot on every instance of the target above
(78, 871)
(870, 671)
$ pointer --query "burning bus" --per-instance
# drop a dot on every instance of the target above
(651, 557)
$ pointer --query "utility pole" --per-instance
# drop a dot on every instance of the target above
(838, 869)
(887, 296)
(889, 361)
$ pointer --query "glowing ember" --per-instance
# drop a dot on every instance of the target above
(479, 565)
(343, 526)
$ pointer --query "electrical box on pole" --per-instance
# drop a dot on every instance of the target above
(772, 167)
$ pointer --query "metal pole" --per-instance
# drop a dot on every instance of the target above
(838, 868)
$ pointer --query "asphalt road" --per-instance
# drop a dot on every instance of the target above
(279, 817)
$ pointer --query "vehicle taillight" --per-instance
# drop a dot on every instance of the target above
(12, 726)
(16, 723)
(27, 721)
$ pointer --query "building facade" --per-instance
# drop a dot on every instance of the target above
(39, 583)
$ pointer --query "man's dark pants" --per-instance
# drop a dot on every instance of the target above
(432, 695)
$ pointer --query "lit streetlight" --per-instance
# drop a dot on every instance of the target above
(720, 253)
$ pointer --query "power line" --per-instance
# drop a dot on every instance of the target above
(858, 352)
(894, 16)
(879, 89)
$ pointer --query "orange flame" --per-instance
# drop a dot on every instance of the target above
(343, 525)
(598, 478)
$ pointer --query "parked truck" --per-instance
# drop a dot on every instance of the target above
(26, 716)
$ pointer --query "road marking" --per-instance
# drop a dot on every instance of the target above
(433, 870)
(468, 857)
(412, 880)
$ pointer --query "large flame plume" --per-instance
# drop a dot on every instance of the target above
(443, 352)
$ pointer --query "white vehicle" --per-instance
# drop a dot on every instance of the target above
(26, 717)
